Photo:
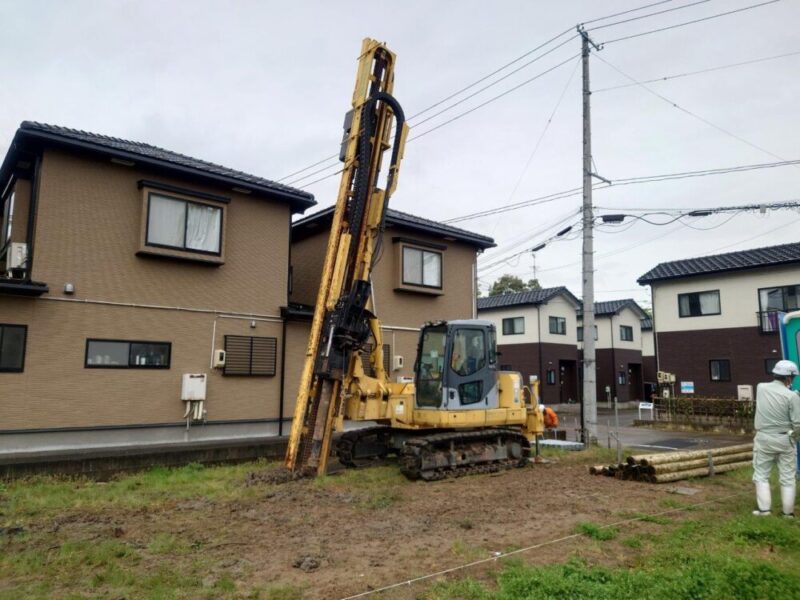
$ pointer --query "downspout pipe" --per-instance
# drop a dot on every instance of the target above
(32, 210)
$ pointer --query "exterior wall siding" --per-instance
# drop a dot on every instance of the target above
(687, 354)
(56, 391)
(88, 228)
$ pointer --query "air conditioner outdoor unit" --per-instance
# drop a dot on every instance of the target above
(744, 392)
(17, 256)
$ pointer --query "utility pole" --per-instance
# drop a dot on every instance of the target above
(589, 412)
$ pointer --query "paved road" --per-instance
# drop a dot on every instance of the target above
(644, 437)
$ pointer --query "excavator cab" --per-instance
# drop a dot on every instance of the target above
(456, 366)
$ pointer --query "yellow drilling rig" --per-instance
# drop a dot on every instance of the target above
(461, 414)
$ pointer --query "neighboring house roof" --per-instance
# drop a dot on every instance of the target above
(153, 156)
(309, 225)
(721, 263)
(614, 307)
(647, 324)
(527, 298)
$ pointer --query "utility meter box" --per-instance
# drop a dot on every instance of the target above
(397, 362)
(744, 392)
(219, 358)
(193, 387)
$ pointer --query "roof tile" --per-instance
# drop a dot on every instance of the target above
(730, 261)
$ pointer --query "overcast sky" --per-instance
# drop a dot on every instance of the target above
(263, 87)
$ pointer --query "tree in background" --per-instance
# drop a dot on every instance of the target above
(507, 284)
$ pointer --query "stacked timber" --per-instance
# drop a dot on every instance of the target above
(665, 467)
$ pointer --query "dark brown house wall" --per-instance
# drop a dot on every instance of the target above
(649, 368)
(525, 359)
(687, 354)
(609, 363)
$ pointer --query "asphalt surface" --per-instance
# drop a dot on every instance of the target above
(642, 437)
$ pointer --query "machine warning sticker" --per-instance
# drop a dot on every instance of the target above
(399, 409)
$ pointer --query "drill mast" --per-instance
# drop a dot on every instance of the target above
(342, 321)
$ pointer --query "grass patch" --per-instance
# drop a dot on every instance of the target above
(647, 518)
(720, 552)
(597, 532)
(593, 455)
(39, 496)
(376, 487)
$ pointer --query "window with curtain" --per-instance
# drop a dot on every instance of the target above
(183, 225)
(422, 267)
(698, 304)
(514, 326)
(626, 333)
(558, 325)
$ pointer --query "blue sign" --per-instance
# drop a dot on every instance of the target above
(687, 387)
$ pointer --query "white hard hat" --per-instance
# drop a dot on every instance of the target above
(785, 368)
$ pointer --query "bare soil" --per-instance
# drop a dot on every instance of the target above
(355, 531)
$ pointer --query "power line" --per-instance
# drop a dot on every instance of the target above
(544, 131)
(447, 122)
(494, 98)
(454, 94)
(473, 84)
(660, 12)
(700, 72)
(626, 12)
(730, 12)
(620, 182)
(690, 113)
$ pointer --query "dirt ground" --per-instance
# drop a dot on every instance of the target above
(362, 530)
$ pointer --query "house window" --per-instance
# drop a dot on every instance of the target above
(622, 378)
(720, 370)
(580, 333)
(699, 304)
(558, 325)
(773, 300)
(422, 267)
(183, 225)
(784, 298)
(123, 354)
(551, 376)
(514, 326)
(253, 356)
(626, 333)
(769, 364)
(12, 347)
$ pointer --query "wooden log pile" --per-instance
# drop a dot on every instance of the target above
(665, 467)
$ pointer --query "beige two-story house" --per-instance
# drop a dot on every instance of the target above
(716, 317)
(537, 335)
(125, 267)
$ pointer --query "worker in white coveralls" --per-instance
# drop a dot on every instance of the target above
(777, 425)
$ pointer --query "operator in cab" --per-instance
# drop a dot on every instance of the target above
(777, 425)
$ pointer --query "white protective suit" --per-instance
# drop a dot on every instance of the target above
(777, 425)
